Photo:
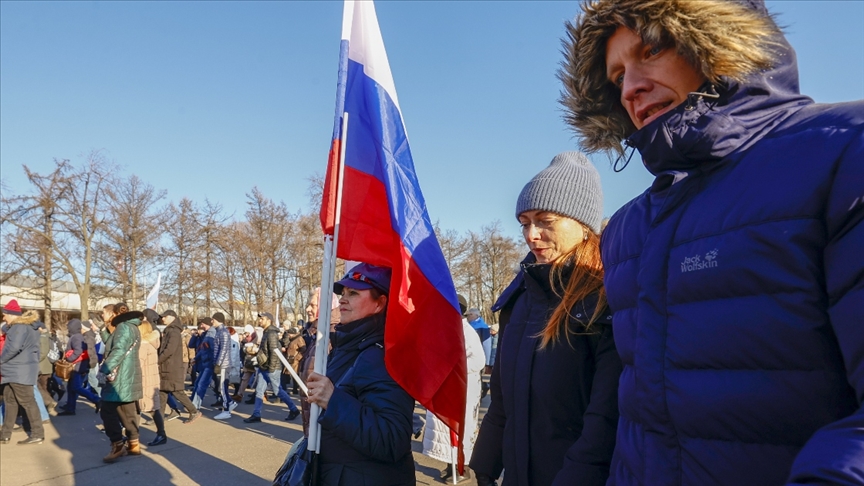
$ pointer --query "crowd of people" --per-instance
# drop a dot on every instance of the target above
(712, 335)
(135, 365)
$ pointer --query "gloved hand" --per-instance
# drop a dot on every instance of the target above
(484, 480)
(217, 370)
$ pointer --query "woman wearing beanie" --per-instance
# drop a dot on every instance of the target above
(554, 407)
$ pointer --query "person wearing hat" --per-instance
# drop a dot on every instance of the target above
(554, 409)
(79, 352)
(222, 362)
(19, 367)
(366, 417)
(203, 364)
(249, 349)
(172, 370)
(121, 394)
(269, 369)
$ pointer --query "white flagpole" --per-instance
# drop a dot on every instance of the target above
(292, 372)
(325, 305)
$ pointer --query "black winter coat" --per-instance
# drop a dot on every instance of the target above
(554, 412)
(366, 429)
(172, 369)
(269, 345)
(90, 341)
(78, 345)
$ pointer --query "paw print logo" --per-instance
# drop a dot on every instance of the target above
(711, 255)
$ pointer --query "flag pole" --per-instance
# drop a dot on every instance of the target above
(328, 269)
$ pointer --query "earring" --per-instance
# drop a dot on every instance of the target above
(586, 237)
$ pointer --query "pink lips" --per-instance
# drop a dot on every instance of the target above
(643, 113)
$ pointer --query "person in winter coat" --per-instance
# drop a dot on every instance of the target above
(483, 331)
(78, 352)
(46, 367)
(269, 369)
(310, 333)
(293, 347)
(736, 279)
(249, 349)
(555, 381)
(120, 396)
(437, 442)
(222, 363)
(93, 342)
(203, 360)
(172, 369)
(366, 417)
(19, 367)
(148, 359)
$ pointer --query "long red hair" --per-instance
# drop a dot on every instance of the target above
(586, 279)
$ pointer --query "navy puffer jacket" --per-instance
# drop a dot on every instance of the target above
(737, 285)
(366, 429)
(19, 361)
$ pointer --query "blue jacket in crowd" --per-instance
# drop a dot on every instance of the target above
(366, 429)
(19, 362)
(203, 344)
(737, 285)
(221, 346)
(554, 411)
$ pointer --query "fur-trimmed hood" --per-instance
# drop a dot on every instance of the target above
(134, 316)
(735, 44)
(29, 317)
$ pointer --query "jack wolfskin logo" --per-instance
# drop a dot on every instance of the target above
(699, 262)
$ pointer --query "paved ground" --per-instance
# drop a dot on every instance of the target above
(208, 452)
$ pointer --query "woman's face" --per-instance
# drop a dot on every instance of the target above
(550, 235)
(357, 304)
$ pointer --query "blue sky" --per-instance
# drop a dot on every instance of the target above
(208, 99)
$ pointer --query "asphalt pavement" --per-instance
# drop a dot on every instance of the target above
(208, 451)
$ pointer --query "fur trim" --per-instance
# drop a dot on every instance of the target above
(127, 316)
(28, 317)
(721, 38)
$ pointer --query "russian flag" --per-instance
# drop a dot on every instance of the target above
(384, 222)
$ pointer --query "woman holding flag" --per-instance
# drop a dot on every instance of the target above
(366, 417)
(554, 409)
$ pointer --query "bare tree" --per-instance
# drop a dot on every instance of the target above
(212, 221)
(71, 207)
(181, 254)
(31, 240)
(131, 240)
(490, 263)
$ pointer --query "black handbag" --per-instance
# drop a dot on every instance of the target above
(300, 467)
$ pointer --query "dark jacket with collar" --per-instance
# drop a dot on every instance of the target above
(19, 361)
(554, 411)
(269, 344)
(78, 346)
(90, 341)
(172, 369)
(46, 367)
(366, 429)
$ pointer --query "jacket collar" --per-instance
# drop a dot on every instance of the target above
(359, 334)
(710, 130)
(133, 317)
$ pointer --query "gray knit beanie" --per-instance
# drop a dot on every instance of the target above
(570, 186)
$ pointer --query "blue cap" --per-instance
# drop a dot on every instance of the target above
(363, 277)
